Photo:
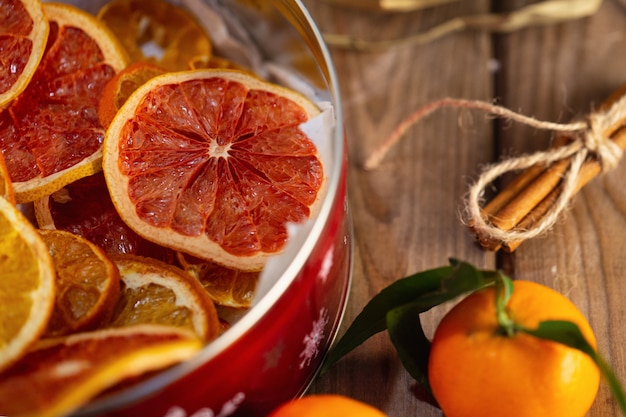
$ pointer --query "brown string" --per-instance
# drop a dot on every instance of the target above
(591, 138)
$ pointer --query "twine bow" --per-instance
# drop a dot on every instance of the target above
(591, 138)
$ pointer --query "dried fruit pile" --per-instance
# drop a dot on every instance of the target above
(160, 185)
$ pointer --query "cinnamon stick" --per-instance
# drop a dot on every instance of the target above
(589, 171)
(497, 211)
(528, 198)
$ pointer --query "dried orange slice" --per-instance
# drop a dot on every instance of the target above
(213, 163)
(226, 286)
(120, 87)
(156, 31)
(24, 35)
(215, 62)
(154, 292)
(27, 287)
(63, 374)
(88, 283)
(85, 208)
(50, 135)
(6, 187)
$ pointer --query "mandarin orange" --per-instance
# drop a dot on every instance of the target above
(326, 405)
(475, 369)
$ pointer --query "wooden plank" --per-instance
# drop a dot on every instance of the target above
(558, 73)
(406, 212)
(389, 5)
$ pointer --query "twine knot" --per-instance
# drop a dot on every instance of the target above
(599, 143)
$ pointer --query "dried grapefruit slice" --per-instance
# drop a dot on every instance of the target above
(85, 208)
(213, 163)
(226, 286)
(6, 187)
(156, 31)
(27, 287)
(63, 374)
(50, 134)
(88, 283)
(153, 292)
(24, 32)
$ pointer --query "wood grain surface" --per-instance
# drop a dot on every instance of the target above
(407, 212)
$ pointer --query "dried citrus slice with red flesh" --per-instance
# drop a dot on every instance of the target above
(50, 134)
(85, 208)
(156, 31)
(88, 283)
(27, 287)
(23, 35)
(213, 163)
(153, 292)
(64, 374)
(6, 188)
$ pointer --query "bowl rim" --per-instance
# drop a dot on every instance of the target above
(258, 311)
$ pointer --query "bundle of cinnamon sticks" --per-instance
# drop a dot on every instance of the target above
(524, 202)
(530, 204)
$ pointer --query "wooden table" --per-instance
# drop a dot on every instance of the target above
(407, 211)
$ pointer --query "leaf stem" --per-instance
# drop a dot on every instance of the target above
(504, 290)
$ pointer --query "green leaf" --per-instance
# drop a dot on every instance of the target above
(373, 317)
(568, 333)
(426, 289)
(564, 332)
(407, 335)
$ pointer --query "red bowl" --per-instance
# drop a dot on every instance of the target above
(273, 352)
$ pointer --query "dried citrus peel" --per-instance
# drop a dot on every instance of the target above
(68, 372)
